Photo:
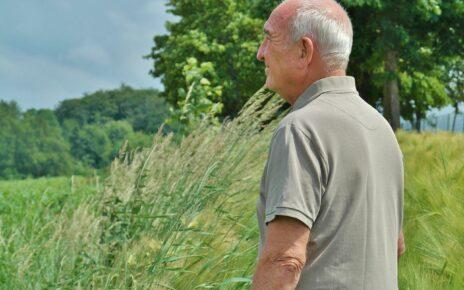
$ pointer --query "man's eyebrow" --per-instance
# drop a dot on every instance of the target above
(267, 32)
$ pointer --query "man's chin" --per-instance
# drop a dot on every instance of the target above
(268, 85)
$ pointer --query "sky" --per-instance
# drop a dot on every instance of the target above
(52, 50)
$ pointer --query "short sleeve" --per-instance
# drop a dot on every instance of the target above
(294, 176)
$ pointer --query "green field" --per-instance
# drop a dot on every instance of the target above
(182, 216)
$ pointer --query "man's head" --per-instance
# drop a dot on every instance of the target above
(306, 40)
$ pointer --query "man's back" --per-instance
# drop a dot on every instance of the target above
(347, 187)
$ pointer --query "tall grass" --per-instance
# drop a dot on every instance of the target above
(434, 211)
(36, 229)
(182, 215)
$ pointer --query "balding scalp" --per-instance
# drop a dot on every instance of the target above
(329, 26)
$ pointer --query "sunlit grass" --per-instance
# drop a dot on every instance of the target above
(182, 216)
(434, 211)
(36, 227)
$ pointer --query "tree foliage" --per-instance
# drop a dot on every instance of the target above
(31, 143)
(80, 135)
(41, 148)
(9, 124)
(401, 43)
(202, 101)
(454, 79)
(220, 34)
(143, 109)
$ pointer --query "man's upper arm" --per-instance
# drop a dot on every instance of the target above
(294, 177)
(283, 256)
(401, 244)
(286, 241)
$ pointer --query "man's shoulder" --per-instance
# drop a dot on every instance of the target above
(290, 129)
(303, 119)
(333, 111)
(292, 121)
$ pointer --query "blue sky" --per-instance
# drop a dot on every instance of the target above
(52, 50)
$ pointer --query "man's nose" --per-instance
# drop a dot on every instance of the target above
(260, 54)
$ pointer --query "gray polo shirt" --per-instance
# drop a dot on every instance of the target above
(334, 164)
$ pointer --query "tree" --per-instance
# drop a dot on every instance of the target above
(454, 79)
(200, 103)
(10, 124)
(421, 92)
(142, 108)
(41, 149)
(220, 34)
(395, 37)
(121, 132)
(91, 145)
(97, 145)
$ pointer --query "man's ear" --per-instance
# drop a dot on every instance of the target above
(307, 50)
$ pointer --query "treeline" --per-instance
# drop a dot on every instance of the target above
(80, 135)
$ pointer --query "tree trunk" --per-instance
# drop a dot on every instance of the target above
(456, 112)
(391, 102)
(417, 124)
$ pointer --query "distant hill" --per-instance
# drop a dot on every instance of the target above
(80, 135)
(142, 108)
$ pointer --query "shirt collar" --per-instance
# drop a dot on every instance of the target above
(328, 84)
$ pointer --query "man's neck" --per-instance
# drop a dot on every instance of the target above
(291, 98)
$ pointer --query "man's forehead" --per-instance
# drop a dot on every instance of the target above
(280, 15)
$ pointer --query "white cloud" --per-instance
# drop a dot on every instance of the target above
(89, 52)
(37, 81)
(156, 9)
(63, 48)
(67, 4)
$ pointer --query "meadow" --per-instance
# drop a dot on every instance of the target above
(181, 215)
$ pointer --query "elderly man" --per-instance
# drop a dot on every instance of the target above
(331, 201)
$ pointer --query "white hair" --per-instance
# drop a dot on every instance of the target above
(330, 29)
